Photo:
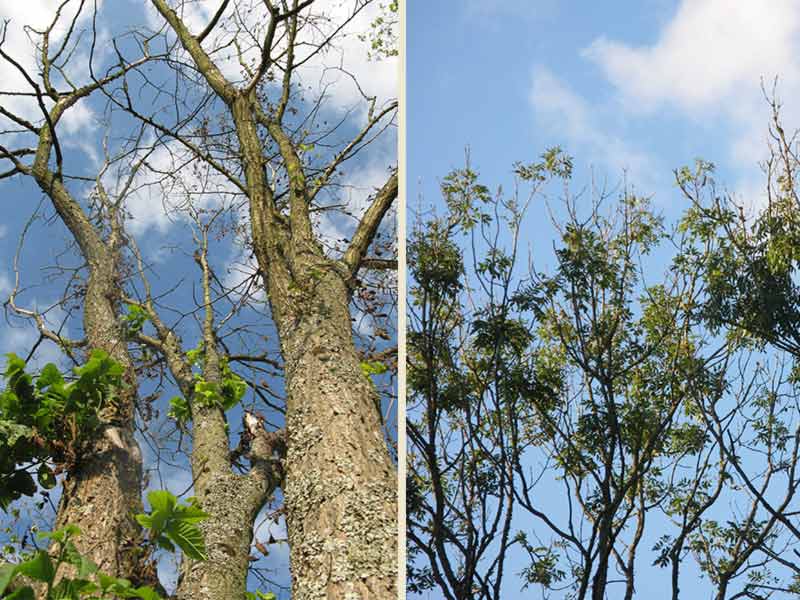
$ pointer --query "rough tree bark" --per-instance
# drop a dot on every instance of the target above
(232, 500)
(340, 483)
(103, 490)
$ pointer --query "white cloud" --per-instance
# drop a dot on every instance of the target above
(708, 51)
(376, 78)
(77, 119)
(37, 14)
(239, 275)
(327, 70)
(147, 210)
(152, 206)
(357, 190)
(164, 187)
(565, 113)
(707, 62)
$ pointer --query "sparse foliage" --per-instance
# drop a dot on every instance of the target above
(602, 418)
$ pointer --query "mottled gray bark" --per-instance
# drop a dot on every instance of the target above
(231, 500)
(341, 485)
(103, 492)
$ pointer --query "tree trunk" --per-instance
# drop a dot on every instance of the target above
(233, 501)
(605, 545)
(341, 487)
(103, 493)
(100, 497)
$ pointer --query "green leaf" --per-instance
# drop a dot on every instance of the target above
(62, 416)
(259, 595)
(25, 593)
(118, 586)
(85, 566)
(162, 501)
(233, 388)
(206, 392)
(146, 593)
(144, 520)
(195, 356)
(14, 365)
(172, 523)
(179, 409)
(46, 477)
(50, 376)
(72, 589)
(60, 535)
(22, 482)
(165, 543)
(11, 432)
(99, 367)
(40, 567)
(106, 581)
(373, 367)
(189, 538)
(7, 572)
(190, 513)
(135, 319)
(162, 504)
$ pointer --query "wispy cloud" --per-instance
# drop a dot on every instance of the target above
(707, 66)
(572, 121)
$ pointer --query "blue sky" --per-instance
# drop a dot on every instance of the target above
(629, 89)
(643, 86)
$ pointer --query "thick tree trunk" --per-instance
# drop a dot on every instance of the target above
(341, 485)
(100, 497)
(103, 493)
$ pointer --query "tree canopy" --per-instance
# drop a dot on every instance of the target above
(624, 416)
